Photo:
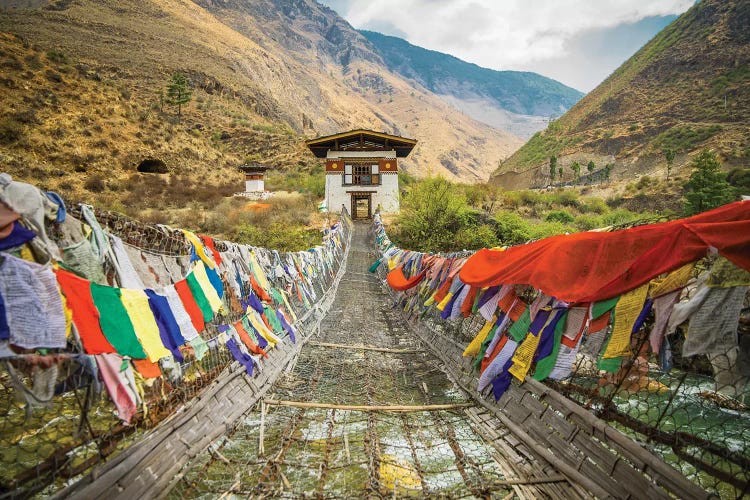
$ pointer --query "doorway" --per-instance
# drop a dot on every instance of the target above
(361, 205)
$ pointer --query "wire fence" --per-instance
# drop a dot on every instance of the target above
(687, 407)
(56, 420)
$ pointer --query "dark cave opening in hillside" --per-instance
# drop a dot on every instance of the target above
(152, 166)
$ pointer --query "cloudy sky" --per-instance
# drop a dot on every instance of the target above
(578, 42)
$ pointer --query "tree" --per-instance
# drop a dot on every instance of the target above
(576, 168)
(559, 172)
(433, 211)
(607, 170)
(590, 167)
(552, 167)
(707, 187)
(178, 93)
(669, 155)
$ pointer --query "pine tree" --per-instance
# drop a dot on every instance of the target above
(178, 93)
(576, 168)
(669, 155)
(708, 187)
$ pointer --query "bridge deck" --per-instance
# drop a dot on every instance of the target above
(293, 450)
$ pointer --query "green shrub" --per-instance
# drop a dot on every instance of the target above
(473, 238)
(740, 179)
(566, 198)
(593, 205)
(561, 216)
(684, 137)
(56, 56)
(546, 229)
(588, 222)
(278, 237)
(530, 198)
(433, 211)
(511, 229)
(619, 216)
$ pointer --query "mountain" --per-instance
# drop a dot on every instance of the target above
(685, 90)
(517, 101)
(83, 85)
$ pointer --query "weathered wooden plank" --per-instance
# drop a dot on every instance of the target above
(557, 422)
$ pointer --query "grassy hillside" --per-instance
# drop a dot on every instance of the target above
(516, 91)
(265, 76)
(684, 90)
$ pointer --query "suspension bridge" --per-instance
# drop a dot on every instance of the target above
(366, 394)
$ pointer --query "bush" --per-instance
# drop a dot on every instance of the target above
(433, 211)
(473, 238)
(566, 198)
(588, 222)
(594, 205)
(278, 237)
(561, 216)
(684, 137)
(56, 56)
(739, 178)
(511, 229)
(619, 216)
(11, 130)
(643, 182)
(95, 184)
(546, 229)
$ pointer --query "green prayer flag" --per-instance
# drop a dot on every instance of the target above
(603, 306)
(273, 320)
(520, 328)
(200, 297)
(115, 321)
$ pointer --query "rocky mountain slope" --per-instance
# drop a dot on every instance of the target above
(516, 101)
(685, 90)
(83, 85)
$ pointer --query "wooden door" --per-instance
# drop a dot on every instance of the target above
(361, 205)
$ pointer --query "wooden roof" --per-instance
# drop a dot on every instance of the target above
(361, 140)
(253, 168)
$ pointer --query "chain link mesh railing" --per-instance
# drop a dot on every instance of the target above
(690, 410)
(56, 420)
(366, 412)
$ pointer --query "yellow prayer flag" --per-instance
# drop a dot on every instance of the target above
(626, 312)
(473, 348)
(144, 323)
(672, 281)
(524, 356)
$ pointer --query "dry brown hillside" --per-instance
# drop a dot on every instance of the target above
(82, 84)
(685, 90)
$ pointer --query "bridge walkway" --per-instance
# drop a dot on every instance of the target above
(367, 412)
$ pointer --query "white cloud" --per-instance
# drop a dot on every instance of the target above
(501, 34)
